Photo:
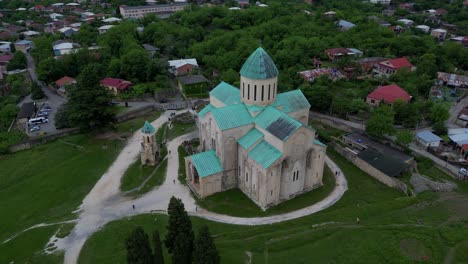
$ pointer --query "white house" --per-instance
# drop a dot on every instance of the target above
(104, 29)
(63, 48)
(423, 28)
(112, 20)
(428, 139)
(406, 22)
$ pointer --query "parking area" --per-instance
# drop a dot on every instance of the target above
(44, 121)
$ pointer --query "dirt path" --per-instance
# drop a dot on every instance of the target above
(105, 202)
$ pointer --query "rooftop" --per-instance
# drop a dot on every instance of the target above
(226, 93)
(386, 164)
(193, 79)
(231, 116)
(265, 154)
(259, 66)
(206, 163)
(64, 81)
(249, 139)
(427, 136)
(277, 123)
(117, 83)
(390, 93)
(147, 128)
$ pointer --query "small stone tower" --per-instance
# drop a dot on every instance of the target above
(149, 147)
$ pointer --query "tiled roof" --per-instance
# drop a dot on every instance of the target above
(207, 163)
(117, 83)
(428, 136)
(226, 93)
(259, 66)
(277, 123)
(64, 81)
(249, 139)
(390, 93)
(292, 101)
(397, 63)
(205, 111)
(192, 79)
(318, 142)
(265, 154)
(147, 128)
(232, 116)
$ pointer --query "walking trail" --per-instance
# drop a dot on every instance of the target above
(105, 202)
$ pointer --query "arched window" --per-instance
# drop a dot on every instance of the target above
(255, 92)
(263, 92)
(248, 91)
(243, 89)
(309, 159)
(269, 91)
(246, 177)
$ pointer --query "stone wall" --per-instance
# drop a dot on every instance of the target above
(364, 166)
(121, 117)
(42, 140)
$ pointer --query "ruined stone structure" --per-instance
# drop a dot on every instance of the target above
(256, 140)
(149, 148)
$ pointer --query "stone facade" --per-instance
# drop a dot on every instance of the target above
(149, 154)
(260, 144)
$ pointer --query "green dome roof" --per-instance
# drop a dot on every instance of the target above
(147, 128)
(259, 66)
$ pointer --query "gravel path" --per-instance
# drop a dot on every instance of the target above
(105, 203)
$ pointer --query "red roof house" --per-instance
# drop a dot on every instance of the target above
(116, 85)
(388, 67)
(387, 94)
(5, 58)
(64, 81)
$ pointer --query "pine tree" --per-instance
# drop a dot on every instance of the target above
(157, 254)
(138, 247)
(205, 251)
(179, 237)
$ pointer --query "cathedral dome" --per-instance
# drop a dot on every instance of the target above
(259, 66)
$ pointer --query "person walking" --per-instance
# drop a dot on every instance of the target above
(133, 206)
(173, 181)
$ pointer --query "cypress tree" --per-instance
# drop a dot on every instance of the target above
(138, 247)
(179, 236)
(157, 254)
(205, 251)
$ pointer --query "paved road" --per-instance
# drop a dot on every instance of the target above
(52, 100)
(105, 202)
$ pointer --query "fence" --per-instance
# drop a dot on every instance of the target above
(336, 122)
(141, 111)
(42, 140)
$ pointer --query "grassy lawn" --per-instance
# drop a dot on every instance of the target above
(135, 175)
(234, 202)
(45, 184)
(182, 173)
(137, 123)
(179, 129)
(156, 180)
(388, 231)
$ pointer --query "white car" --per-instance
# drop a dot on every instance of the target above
(35, 128)
(463, 171)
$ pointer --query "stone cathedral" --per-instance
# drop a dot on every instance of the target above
(256, 140)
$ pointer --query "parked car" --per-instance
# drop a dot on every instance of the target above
(463, 171)
(35, 128)
(43, 114)
(163, 100)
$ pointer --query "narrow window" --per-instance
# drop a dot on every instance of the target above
(269, 91)
(255, 92)
(263, 92)
(243, 89)
(248, 91)
(271, 193)
(246, 177)
(254, 187)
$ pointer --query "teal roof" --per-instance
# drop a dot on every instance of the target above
(249, 139)
(318, 142)
(292, 101)
(226, 93)
(232, 116)
(147, 128)
(259, 66)
(205, 110)
(277, 123)
(265, 154)
(207, 163)
(255, 108)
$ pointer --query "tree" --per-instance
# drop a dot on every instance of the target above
(138, 247)
(19, 61)
(404, 138)
(157, 254)
(89, 104)
(179, 236)
(205, 251)
(439, 128)
(439, 113)
(36, 91)
(319, 97)
(380, 122)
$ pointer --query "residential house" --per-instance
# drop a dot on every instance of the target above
(62, 83)
(311, 75)
(62, 47)
(104, 29)
(439, 34)
(383, 2)
(193, 85)
(462, 118)
(116, 85)
(406, 22)
(330, 14)
(435, 20)
(24, 45)
(452, 80)
(337, 53)
(182, 66)
(388, 12)
(459, 136)
(423, 28)
(5, 46)
(367, 64)
(428, 139)
(391, 66)
(345, 25)
(87, 15)
(30, 33)
(68, 31)
(55, 16)
(112, 20)
(387, 94)
(150, 49)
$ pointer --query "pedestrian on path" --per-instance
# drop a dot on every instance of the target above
(358, 221)
(173, 181)
(196, 208)
(133, 206)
